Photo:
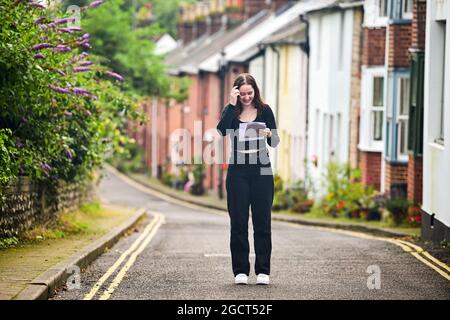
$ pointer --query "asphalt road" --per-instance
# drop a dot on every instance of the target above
(188, 258)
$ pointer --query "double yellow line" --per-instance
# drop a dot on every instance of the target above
(416, 251)
(134, 250)
(424, 257)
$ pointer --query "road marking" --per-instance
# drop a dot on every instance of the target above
(115, 283)
(420, 258)
(409, 247)
(119, 261)
(420, 250)
(440, 263)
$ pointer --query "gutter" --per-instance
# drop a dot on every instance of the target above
(337, 6)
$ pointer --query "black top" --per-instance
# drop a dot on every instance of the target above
(230, 124)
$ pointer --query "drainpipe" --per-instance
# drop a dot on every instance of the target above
(154, 138)
(277, 99)
(262, 48)
(306, 49)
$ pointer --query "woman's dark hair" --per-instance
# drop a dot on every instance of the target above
(246, 78)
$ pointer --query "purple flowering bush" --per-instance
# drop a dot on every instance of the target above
(61, 111)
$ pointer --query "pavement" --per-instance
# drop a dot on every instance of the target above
(46, 284)
(33, 271)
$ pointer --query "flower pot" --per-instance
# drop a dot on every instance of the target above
(373, 214)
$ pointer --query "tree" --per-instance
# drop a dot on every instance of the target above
(127, 47)
(61, 111)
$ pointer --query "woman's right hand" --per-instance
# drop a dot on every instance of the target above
(234, 94)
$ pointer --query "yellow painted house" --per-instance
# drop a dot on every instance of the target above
(290, 60)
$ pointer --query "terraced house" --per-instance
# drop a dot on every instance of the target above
(333, 86)
(359, 82)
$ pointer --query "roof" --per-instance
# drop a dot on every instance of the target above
(242, 43)
(340, 5)
(293, 33)
(250, 40)
(188, 58)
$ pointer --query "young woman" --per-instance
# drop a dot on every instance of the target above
(249, 180)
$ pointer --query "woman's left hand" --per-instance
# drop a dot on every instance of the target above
(265, 132)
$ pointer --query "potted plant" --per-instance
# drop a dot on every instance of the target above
(198, 173)
(370, 207)
(398, 207)
(414, 216)
(280, 200)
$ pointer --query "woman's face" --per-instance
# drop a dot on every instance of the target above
(246, 94)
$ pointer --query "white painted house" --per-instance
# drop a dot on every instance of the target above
(436, 144)
(373, 85)
(283, 68)
(331, 41)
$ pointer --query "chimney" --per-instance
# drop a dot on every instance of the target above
(186, 27)
(277, 4)
(210, 16)
(252, 7)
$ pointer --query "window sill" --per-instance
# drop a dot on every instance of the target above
(366, 148)
(437, 144)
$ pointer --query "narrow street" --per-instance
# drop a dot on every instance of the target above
(188, 258)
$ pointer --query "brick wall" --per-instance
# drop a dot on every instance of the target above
(418, 25)
(216, 23)
(186, 32)
(415, 174)
(200, 29)
(370, 165)
(396, 174)
(374, 46)
(399, 44)
(355, 105)
(252, 7)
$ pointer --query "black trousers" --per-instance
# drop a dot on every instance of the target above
(250, 185)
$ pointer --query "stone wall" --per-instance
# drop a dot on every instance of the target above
(24, 204)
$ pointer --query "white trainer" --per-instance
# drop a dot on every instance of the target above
(241, 278)
(262, 279)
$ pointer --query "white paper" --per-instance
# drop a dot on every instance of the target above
(250, 134)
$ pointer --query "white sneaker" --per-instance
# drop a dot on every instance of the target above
(262, 279)
(241, 278)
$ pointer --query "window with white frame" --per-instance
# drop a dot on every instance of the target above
(331, 137)
(402, 118)
(376, 13)
(377, 108)
(383, 8)
(407, 9)
(338, 135)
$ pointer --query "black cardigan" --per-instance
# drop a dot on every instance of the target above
(229, 121)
